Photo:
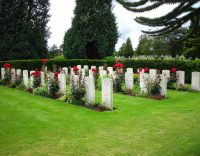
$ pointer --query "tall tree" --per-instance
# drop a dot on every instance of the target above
(145, 46)
(186, 10)
(93, 33)
(192, 45)
(175, 41)
(23, 29)
(126, 50)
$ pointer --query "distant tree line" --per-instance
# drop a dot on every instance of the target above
(174, 43)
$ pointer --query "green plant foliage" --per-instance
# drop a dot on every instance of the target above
(53, 87)
(126, 50)
(169, 44)
(23, 29)
(41, 91)
(93, 33)
(192, 45)
(36, 82)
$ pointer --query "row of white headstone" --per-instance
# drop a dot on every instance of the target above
(129, 81)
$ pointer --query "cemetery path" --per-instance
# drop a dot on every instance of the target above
(32, 125)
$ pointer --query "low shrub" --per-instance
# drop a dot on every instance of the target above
(41, 91)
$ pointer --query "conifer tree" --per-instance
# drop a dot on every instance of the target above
(23, 29)
(186, 10)
(93, 33)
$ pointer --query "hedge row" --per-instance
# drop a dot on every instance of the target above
(188, 67)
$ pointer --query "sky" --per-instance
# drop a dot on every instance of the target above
(61, 12)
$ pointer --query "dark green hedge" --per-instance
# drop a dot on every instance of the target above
(188, 67)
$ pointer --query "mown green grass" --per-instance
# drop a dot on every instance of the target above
(32, 125)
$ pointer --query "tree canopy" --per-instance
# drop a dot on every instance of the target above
(169, 44)
(126, 49)
(93, 33)
(23, 29)
(187, 10)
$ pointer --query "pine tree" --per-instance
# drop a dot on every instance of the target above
(23, 29)
(93, 33)
(186, 10)
(126, 50)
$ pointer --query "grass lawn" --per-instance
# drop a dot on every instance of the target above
(32, 125)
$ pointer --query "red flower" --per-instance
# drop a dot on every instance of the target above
(36, 74)
(56, 75)
(44, 61)
(146, 70)
(173, 70)
(6, 65)
(94, 70)
(75, 68)
(118, 65)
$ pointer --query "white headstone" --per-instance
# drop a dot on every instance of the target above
(114, 75)
(152, 74)
(129, 70)
(110, 70)
(163, 85)
(91, 73)
(166, 72)
(85, 67)
(129, 81)
(42, 76)
(18, 71)
(62, 84)
(196, 81)
(93, 67)
(13, 75)
(45, 70)
(65, 69)
(25, 78)
(79, 67)
(3, 72)
(90, 90)
(102, 73)
(31, 79)
(101, 68)
(180, 78)
(144, 80)
(107, 93)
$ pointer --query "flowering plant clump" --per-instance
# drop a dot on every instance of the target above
(36, 79)
(53, 87)
(172, 79)
(56, 75)
(118, 66)
(7, 75)
(95, 75)
(44, 61)
(117, 80)
(18, 80)
(146, 70)
(76, 70)
(77, 92)
(139, 70)
(7, 66)
(173, 70)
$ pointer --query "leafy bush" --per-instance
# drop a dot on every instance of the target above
(77, 92)
(53, 87)
(41, 91)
